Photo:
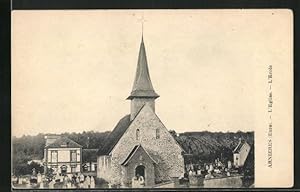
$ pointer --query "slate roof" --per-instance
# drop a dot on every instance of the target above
(63, 142)
(115, 135)
(142, 86)
(50, 138)
(239, 146)
(89, 155)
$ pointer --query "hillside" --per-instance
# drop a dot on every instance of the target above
(201, 146)
(206, 146)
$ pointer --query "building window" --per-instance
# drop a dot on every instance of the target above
(73, 156)
(137, 134)
(157, 134)
(54, 156)
(73, 169)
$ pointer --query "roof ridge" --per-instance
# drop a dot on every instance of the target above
(62, 138)
(169, 132)
(128, 125)
(109, 142)
(133, 151)
(239, 145)
(108, 139)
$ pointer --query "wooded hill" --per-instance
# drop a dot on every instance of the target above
(202, 146)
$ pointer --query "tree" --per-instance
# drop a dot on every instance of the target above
(38, 168)
(173, 133)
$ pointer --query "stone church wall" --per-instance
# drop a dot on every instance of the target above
(164, 149)
(104, 167)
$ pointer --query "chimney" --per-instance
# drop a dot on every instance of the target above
(50, 139)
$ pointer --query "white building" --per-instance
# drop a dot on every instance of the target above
(240, 153)
(62, 155)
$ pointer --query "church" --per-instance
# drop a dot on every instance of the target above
(140, 144)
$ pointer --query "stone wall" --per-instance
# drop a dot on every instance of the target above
(169, 184)
(104, 167)
(164, 149)
(225, 182)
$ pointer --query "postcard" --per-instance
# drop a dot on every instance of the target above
(152, 98)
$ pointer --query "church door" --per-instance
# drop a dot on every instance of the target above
(140, 171)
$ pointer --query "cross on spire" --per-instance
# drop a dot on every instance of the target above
(142, 86)
(142, 20)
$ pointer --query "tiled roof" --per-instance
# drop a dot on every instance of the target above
(63, 142)
(115, 135)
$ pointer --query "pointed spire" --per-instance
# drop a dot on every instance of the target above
(142, 86)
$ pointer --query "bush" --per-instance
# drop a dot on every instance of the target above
(25, 169)
(100, 181)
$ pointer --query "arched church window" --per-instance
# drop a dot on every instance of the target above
(137, 134)
(157, 134)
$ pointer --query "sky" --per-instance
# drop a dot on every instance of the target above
(73, 70)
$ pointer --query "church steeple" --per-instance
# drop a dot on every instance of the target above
(142, 86)
(142, 92)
